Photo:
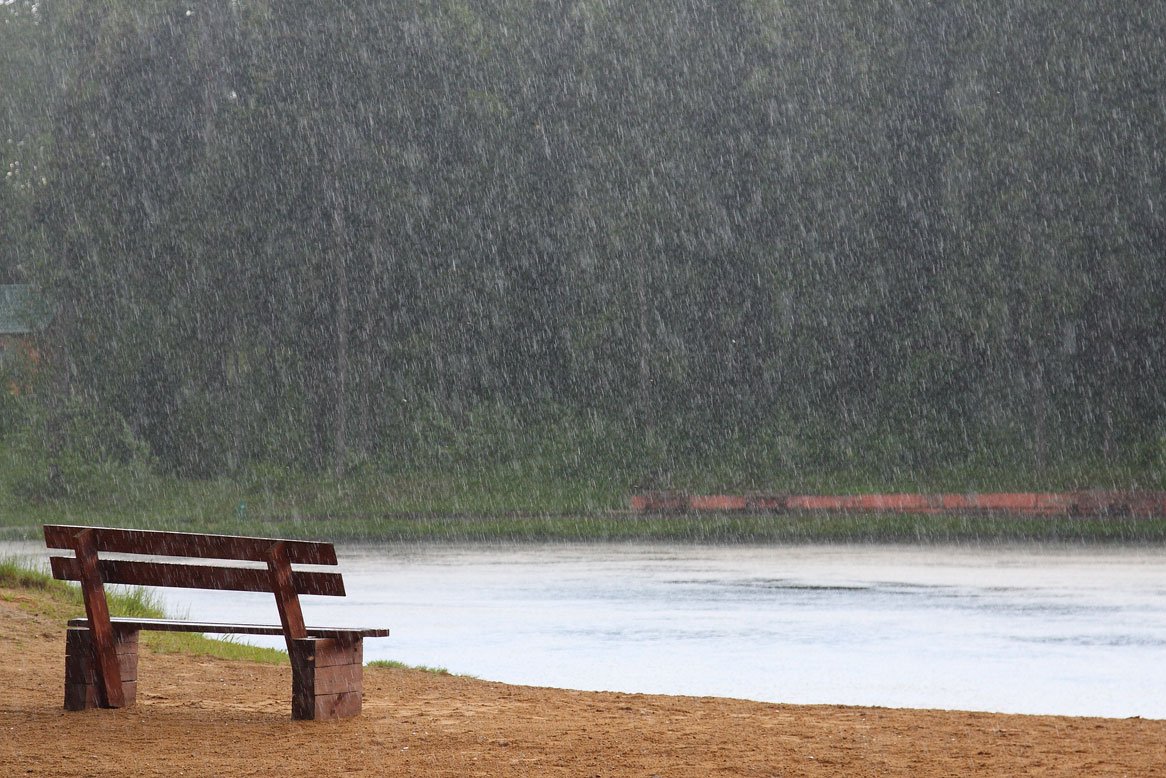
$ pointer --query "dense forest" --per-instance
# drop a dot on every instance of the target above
(750, 236)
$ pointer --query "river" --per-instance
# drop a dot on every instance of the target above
(1024, 629)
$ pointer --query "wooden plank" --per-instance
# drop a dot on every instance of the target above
(345, 635)
(97, 611)
(328, 707)
(77, 640)
(187, 576)
(79, 671)
(303, 662)
(190, 544)
(337, 652)
(172, 625)
(291, 617)
(81, 696)
(323, 692)
(339, 678)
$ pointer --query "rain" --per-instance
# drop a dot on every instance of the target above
(446, 281)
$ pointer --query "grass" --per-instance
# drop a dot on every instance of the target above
(509, 501)
(395, 665)
(63, 601)
(792, 528)
(731, 528)
(229, 505)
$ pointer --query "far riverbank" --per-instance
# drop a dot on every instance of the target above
(626, 526)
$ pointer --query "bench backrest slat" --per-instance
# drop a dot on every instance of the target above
(240, 579)
(186, 544)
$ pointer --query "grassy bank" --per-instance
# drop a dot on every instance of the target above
(719, 529)
(63, 601)
(513, 503)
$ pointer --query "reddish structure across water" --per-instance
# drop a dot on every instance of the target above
(1078, 503)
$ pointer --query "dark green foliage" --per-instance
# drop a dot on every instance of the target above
(620, 243)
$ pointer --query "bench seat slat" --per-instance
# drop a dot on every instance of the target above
(186, 576)
(189, 544)
(172, 625)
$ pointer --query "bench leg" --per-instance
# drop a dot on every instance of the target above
(327, 678)
(83, 688)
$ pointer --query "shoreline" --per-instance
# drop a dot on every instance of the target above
(794, 528)
(838, 670)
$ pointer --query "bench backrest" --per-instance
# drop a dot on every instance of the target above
(277, 576)
(193, 546)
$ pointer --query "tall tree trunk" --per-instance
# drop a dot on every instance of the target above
(1040, 413)
(235, 388)
(647, 411)
(340, 408)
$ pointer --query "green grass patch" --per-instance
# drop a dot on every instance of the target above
(395, 665)
(547, 487)
(62, 600)
(14, 575)
(527, 500)
(793, 528)
(257, 500)
(766, 529)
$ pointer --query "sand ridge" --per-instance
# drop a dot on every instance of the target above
(198, 716)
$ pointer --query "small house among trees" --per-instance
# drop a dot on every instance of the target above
(23, 314)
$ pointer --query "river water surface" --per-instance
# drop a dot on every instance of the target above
(1016, 629)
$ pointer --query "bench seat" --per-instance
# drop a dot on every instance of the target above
(125, 624)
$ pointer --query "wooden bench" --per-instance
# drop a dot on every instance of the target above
(101, 656)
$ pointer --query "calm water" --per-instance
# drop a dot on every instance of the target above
(1026, 630)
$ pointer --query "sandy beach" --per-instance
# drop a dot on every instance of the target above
(198, 716)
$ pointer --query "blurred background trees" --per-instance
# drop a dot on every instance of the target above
(887, 235)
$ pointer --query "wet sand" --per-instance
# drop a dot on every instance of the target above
(198, 716)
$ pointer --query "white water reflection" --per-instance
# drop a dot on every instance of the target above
(1026, 629)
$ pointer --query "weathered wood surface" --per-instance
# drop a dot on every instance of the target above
(100, 669)
(291, 617)
(191, 544)
(186, 576)
(123, 623)
(327, 678)
(83, 681)
(97, 610)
